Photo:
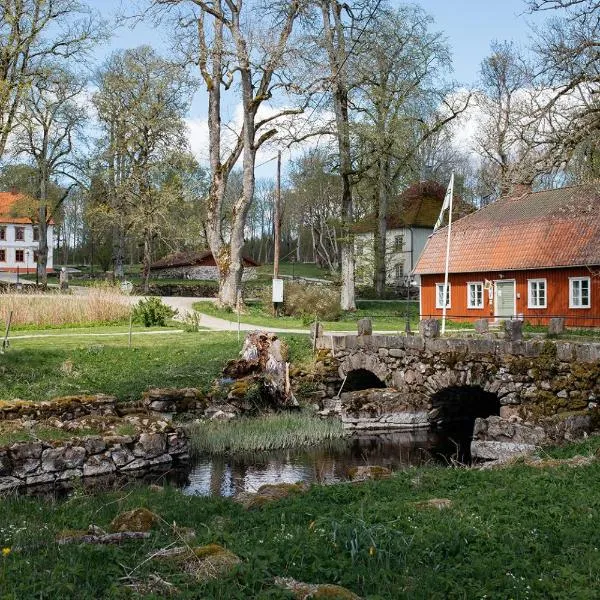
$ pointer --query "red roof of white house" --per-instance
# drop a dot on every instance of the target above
(536, 230)
(11, 212)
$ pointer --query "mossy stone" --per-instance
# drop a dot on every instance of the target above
(138, 519)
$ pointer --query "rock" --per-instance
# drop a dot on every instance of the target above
(61, 458)
(429, 328)
(316, 330)
(485, 450)
(203, 562)
(364, 326)
(150, 445)
(10, 483)
(269, 493)
(98, 464)
(481, 326)
(94, 445)
(138, 519)
(513, 330)
(369, 472)
(304, 591)
(439, 503)
(556, 325)
(42, 479)
(22, 451)
(122, 457)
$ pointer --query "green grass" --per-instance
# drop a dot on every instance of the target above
(40, 368)
(268, 432)
(386, 316)
(518, 533)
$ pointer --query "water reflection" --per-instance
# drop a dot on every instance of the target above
(330, 463)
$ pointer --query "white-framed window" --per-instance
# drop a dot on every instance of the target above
(439, 295)
(19, 234)
(399, 271)
(19, 256)
(475, 294)
(579, 292)
(537, 293)
(399, 243)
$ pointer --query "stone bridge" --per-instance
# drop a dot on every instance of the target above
(516, 395)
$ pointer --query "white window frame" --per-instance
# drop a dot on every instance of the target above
(572, 280)
(399, 242)
(531, 296)
(448, 295)
(469, 304)
(399, 271)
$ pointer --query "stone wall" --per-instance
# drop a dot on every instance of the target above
(32, 463)
(550, 385)
(206, 273)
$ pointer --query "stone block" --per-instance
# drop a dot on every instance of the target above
(21, 451)
(484, 450)
(10, 483)
(481, 326)
(556, 325)
(429, 328)
(98, 465)
(364, 326)
(94, 445)
(513, 330)
(316, 330)
(150, 445)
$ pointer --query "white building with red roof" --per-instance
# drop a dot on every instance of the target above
(19, 235)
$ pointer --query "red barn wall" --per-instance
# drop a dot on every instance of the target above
(557, 284)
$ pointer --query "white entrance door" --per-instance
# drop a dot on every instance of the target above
(505, 299)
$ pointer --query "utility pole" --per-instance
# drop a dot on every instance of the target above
(277, 220)
(277, 296)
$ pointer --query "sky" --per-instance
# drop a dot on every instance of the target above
(469, 25)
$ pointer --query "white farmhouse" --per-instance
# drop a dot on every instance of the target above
(410, 222)
(19, 236)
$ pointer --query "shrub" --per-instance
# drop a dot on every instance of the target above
(308, 301)
(152, 311)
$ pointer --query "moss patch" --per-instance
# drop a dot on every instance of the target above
(138, 519)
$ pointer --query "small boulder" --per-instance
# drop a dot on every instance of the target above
(204, 562)
(303, 591)
(138, 519)
(439, 503)
(269, 493)
(369, 472)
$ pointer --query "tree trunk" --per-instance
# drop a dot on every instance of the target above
(381, 233)
(42, 261)
(147, 258)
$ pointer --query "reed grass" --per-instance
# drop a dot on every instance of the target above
(268, 432)
(99, 305)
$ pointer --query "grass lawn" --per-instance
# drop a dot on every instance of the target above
(520, 532)
(386, 316)
(43, 367)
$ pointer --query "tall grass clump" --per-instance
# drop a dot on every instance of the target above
(268, 432)
(101, 305)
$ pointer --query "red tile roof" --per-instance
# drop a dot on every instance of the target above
(418, 205)
(9, 208)
(13, 207)
(554, 228)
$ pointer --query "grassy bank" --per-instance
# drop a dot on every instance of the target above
(521, 532)
(386, 316)
(39, 368)
(268, 432)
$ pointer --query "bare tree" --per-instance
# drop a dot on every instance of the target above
(225, 51)
(33, 32)
(48, 122)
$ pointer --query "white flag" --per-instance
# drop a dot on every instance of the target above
(447, 203)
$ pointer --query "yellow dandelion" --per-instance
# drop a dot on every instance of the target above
(311, 525)
(5, 551)
(372, 551)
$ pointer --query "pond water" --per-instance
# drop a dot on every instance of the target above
(330, 463)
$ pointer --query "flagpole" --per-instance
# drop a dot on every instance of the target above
(445, 297)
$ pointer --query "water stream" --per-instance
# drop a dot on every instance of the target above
(330, 463)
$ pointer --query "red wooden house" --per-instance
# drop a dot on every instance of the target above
(530, 255)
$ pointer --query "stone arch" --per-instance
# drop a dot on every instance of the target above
(368, 362)
(362, 379)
